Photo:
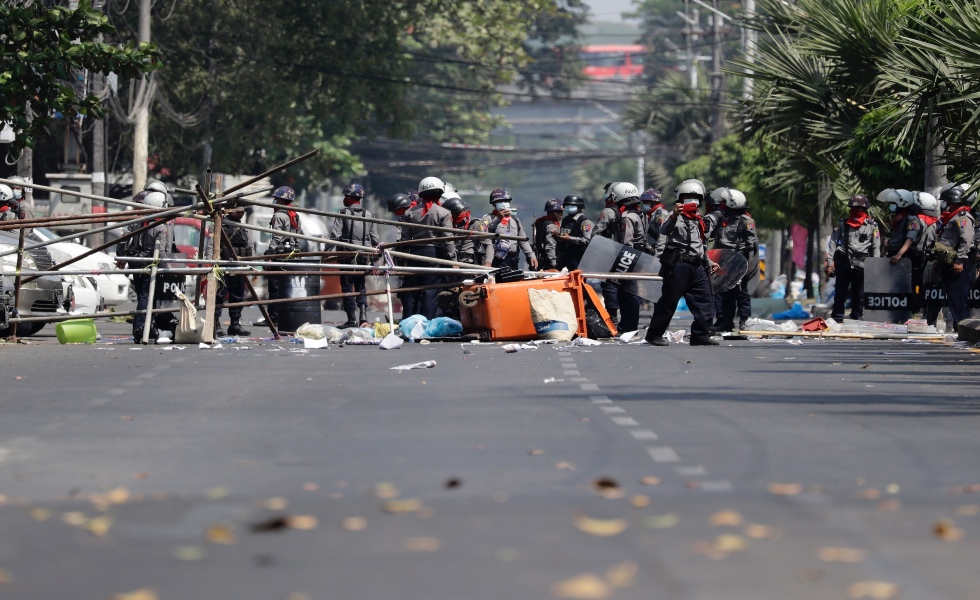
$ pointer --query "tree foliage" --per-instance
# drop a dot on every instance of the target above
(43, 52)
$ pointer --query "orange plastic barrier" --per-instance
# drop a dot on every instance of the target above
(502, 311)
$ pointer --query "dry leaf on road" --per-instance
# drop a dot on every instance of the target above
(730, 542)
(220, 534)
(385, 491)
(354, 523)
(607, 487)
(841, 555)
(302, 522)
(407, 505)
(535, 452)
(662, 521)
(6, 577)
(727, 518)
(874, 590)
(968, 510)
(785, 489)
(639, 501)
(622, 575)
(40, 514)
(277, 503)
(141, 594)
(947, 531)
(758, 532)
(99, 526)
(422, 544)
(588, 586)
(565, 466)
(600, 527)
(649, 480)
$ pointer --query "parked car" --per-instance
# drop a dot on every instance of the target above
(45, 296)
(113, 288)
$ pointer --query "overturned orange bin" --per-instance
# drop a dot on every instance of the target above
(502, 311)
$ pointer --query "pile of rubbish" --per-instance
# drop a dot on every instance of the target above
(821, 327)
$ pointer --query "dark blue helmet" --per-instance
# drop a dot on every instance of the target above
(500, 195)
(284, 193)
(354, 190)
(553, 205)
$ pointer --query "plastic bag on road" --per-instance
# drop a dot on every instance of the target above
(420, 365)
(413, 327)
(443, 327)
(308, 331)
(391, 342)
(553, 314)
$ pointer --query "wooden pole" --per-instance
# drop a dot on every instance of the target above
(17, 280)
(248, 284)
(208, 335)
(148, 324)
(271, 171)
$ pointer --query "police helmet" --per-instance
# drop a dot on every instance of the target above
(156, 186)
(155, 199)
(454, 205)
(623, 191)
(431, 186)
(898, 197)
(6, 194)
(737, 200)
(553, 205)
(17, 183)
(690, 187)
(651, 195)
(719, 196)
(285, 193)
(140, 196)
(859, 201)
(500, 195)
(573, 200)
(450, 194)
(413, 197)
(955, 193)
(398, 201)
(354, 190)
(926, 202)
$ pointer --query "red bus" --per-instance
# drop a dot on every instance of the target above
(612, 61)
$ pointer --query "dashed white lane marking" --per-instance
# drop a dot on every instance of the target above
(589, 387)
(571, 373)
(147, 375)
(663, 454)
(579, 379)
(643, 434)
(625, 421)
(716, 486)
(116, 391)
(691, 471)
(611, 409)
(99, 401)
(600, 399)
(162, 367)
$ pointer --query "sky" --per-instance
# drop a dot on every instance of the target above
(609, 10)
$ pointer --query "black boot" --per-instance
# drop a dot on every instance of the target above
(236, 328)
(218, 331)
(350, 320)
(741, 323)
(362, 315)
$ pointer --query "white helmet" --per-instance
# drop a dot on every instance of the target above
(737, 200)
(609, 191)
(721, 195)
(155, 199)
(6, 194)
(690, 186)
(431, 184)
(926, 201)
(900, 198)
(623, 190)
(20, 182)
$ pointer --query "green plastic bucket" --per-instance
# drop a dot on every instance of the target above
(76, 331)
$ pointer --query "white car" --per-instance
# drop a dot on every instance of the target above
(114, 288)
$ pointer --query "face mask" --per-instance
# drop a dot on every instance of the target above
(647, 207)
(571, 209)
(893, 208)
(502, 206)
(943, 206)
(18, 194)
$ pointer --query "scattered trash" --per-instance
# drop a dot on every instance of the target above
(584, 341)
(795, 312)
(794, 342)
(542, 342)
(315, 344)
(627, 337)
(419, 365)
(875, 590)
(553, 380)
(676, 337)
(205, 346)
(587, 586)
(443, 327)
(391, 342)
(600, 527)
(511, 348)
(308, 331)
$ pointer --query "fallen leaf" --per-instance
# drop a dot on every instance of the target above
(730, 542)
(709, 551)
(968, 510)
(216, 493)
(947, 531)
(142, 475)
(966, 489)
(311, 487)
(841, 555)
(600, 527)
(141, 594)
(785, 489)
(535, 452)
(875, 590)
(277, 503)
(865, 365)
(727, 518)
(299, 596)
(187, 553)
(870, 494)
(758, 532)
(119, 495)
(220, 534)
(453, 483)
(18, 377)
(40, 514)
(385, 491)
(3, 499)
(650, 480)
(588, 586)
(607, 487)
(622, 575)
(302, 522)
(892, 488)
(639, 501)
(6, 577)
(407, 505)
(354, 523)
(662, 521)
(422, 544)
(565, 466)
(126, 418)
(76, 519)
(890, 505)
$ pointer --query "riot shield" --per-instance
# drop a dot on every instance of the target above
(604, 255)
(887, 290)
(731, 269)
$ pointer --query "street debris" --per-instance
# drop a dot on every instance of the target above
(428, 364)
(354, 524)
(841, 555)
(727, 518)
(398, 507)
(511, 348)
(220, 534)
(649, 480)
(282, 522)
(874, 590)
(553, 380)
(665, 521)
(422, 544)
(607, 487)
(785, 489)
(140, 594)
(187, 553)
(584, 341)
(947, 531)
(600, 527)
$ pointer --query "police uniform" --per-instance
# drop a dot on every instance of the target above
(506, 253)
(684, 264)
(361, 233)
(609, 226)
(851, 243)
(233, 285)
(957, 230)
(579, 230)
(711, 221)
(425, 302)
(13, 209)
(912, 228)
(634, 235)
(656, 218)
(736, 231)
(473, 251)
(545, 242)
(287, 221)
(143, 245)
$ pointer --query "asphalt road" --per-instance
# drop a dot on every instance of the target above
(755, 470)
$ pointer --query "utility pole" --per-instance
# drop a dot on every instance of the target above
(749, 37)
(693, 28)
(99, 187)
(141, 133)
(717, 77)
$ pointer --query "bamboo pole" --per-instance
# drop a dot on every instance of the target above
(148, 324)
(248, 285)
(17, 280)
(271, 171)
(207, 335)
(846, 336)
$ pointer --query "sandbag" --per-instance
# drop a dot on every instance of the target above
(553, 314)
(190, 327)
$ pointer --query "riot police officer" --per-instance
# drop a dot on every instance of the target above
(158, 238)
(855, 238)
(472, 251)
(685, 266)
(909, 237)
(398, 204)
(285, 220)
(633, 233)
(712, 211)
(428, 212)
(10, 207)
(954, 241)
(573, 234)
(506, 253)
(736, 231)
(608, 226)
(545, 230)
(354, 232)
(232, 285)
(656, 214)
